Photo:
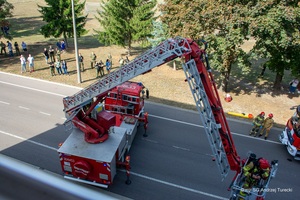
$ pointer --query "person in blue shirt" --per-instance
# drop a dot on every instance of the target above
(108, 65)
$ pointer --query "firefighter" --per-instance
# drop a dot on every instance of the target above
(257, 123)
(267, 125)
(255, 171)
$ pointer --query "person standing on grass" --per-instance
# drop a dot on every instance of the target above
(293, 85)
(18, 53)
(81, 64)
(58, 67)
(93, 60)
(58, 45)
(3, 48)
(52, 71)
(108, 65)
(23, 64)
(121, 61)
(101, 64)
(63, 46)
(110, 59)
(64, 67)
(10, 49)
(99, 68)
(30, 60)
(58, 57)
(126, 60)
(51, 53)
(24, 46)
(46, 54)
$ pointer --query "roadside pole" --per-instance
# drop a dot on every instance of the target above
(75, 44)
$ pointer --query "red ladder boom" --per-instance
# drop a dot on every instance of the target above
(202, 85)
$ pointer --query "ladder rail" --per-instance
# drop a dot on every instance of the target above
(206, 116)
(163, 53)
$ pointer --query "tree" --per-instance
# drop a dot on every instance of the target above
(223, 23)
(58, 15)
(158, 34)
(5, 12)
(125, 21)
(275, 26)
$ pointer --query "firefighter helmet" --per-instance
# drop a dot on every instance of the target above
(263, 163)
(271, 115)
(252, 156)
(262, 113)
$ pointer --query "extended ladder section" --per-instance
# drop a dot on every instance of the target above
(206, 115)
(166, 51)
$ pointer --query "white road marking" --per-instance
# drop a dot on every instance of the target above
(28, 140)
(177, 186)
(182, 148)
(177, 121)
(44, 113)
(153, 141)
(200, 126)
(5, 102)
(29, 88)
(22, 107)
(40, 80)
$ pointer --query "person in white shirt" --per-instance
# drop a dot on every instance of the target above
(23, 64)
(293, 85)
(30, 60)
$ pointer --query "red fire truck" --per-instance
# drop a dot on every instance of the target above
(106, 114)
(291, 135)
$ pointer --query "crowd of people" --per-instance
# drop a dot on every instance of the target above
(100, 65)
(54, 60)
(12, 50)
(8, 48)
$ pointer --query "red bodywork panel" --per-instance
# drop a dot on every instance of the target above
(87, 169)
(106, 119)
(296, 139)
(125, 98)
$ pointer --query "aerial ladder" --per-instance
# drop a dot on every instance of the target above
(201, 83)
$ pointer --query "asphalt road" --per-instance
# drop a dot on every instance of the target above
(173, 162)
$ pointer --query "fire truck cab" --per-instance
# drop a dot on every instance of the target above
(127, 98)
(291, 135)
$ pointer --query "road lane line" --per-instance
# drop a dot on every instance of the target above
(181, 148)
(22, 107)
(29, 88)
(28, 140)
(41, 80)
(48, 114)
(177, 186)
(5, 102)
(152, 141)
(200, 126)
